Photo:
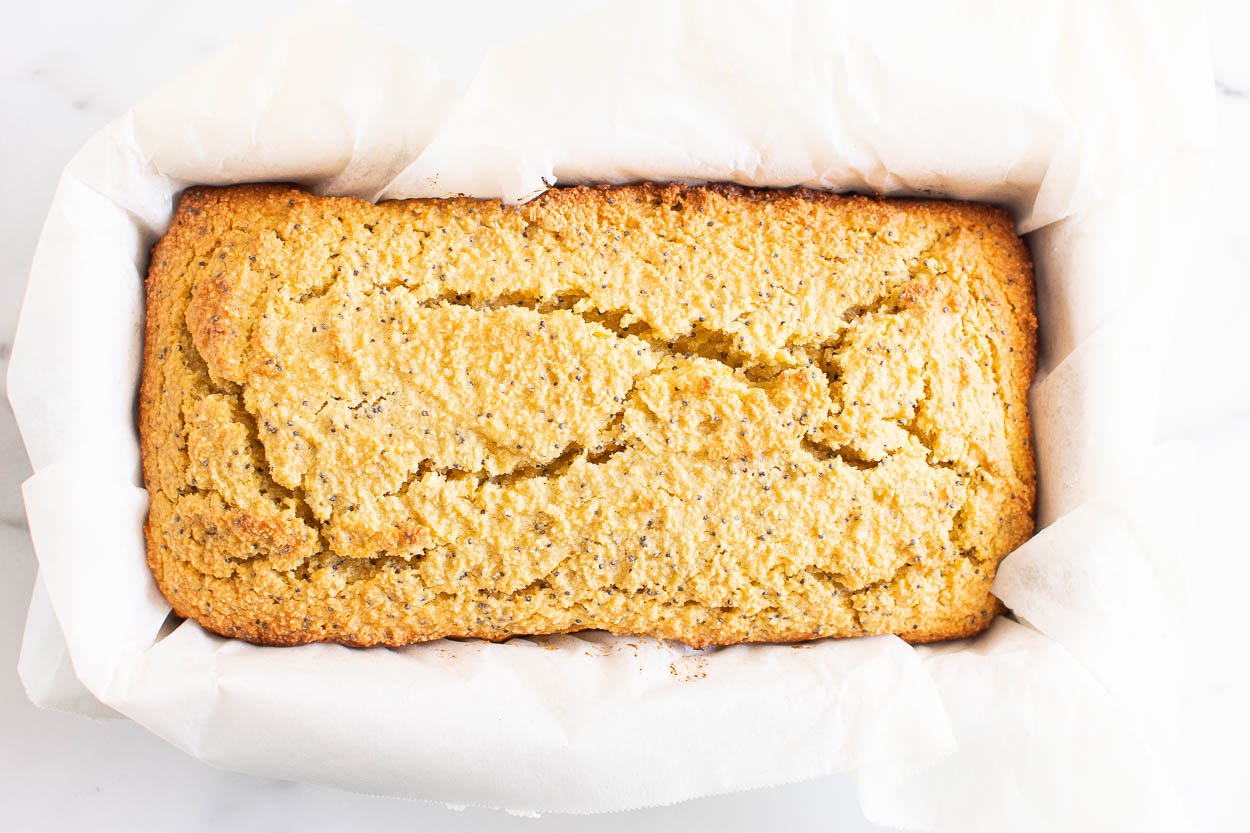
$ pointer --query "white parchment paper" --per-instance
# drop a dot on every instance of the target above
(1088, 119)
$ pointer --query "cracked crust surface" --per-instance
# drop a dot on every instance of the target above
(710, 414)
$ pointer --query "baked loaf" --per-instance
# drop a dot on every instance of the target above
(709, 414)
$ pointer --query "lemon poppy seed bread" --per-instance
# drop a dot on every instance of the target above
(710, 414)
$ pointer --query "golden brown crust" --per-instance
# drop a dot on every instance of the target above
(712, 414)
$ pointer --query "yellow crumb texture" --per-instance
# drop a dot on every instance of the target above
(710, 414)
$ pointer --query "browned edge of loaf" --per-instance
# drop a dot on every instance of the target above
(1018, 283)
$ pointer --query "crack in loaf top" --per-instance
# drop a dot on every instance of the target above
(654, 409)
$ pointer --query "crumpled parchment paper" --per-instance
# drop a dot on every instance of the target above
(1088, 119)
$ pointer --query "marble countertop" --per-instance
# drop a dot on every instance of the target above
(60, 83)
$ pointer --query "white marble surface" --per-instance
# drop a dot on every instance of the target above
(67, 68)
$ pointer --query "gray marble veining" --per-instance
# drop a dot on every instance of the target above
(1229, 90)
